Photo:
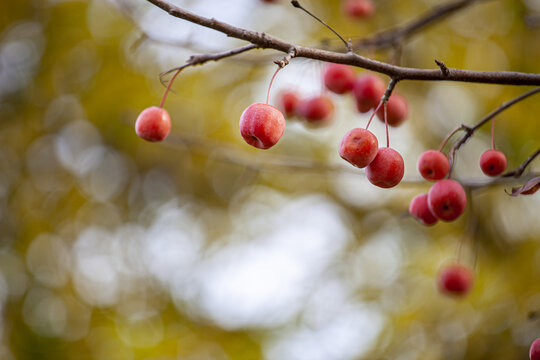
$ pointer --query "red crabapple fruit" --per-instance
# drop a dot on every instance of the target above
(447, 200)
(153, 124)
(368, 91)
(387, 169)
(317, 110)
(455, 280)
(339, 78)
(358, 9)
(359, 147)
(493, 162)
(534, 350)
(288, 102)
(433, 165)
(419, 209)
(396, 110)
(262, 125)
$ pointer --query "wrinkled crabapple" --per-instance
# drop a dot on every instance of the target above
(493, 162)
(288, 102)
(368, 91)
(358, 9)
(433, 165)
(387, 169)
(396, 110)
(262, 125)
(153, 124)
(447, 199)
(419, 209)
(455, 280)
(339, 78)
(359, 147)
(317, 110)
(534, 350)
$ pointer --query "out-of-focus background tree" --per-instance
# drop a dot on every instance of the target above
(204, 248)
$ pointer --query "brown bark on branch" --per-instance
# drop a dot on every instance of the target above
(398, 73)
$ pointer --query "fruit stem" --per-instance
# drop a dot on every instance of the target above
(169, 86)
(386, 125)
(492, 128)
(448, 137)
(374, 112)
(270, 86)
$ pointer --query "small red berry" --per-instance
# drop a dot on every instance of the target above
(317, 110)
(433, 165)
(153, 124)
(288, 102)
(339, 78)
(493, 162)
(359, 147)
(447, 200)
(262, 125)
(358, 9)
(419, 209)
(368, 91)
(455, 280)
(534, 350)
(396, 110)
(387, 169)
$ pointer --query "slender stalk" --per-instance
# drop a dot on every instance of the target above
(270, 86)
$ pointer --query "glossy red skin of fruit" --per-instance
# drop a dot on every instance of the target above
(447, 200)
(493, 162)
(262, 125)
(368, 91)
(456, 280)
(317, 110)
(534, 350)
(153, 124)
(397, 110)
(359, 147)
(288, 102)
(387, 169)
(358, 9)
(433, 165)
(419, 209)
(339, 78)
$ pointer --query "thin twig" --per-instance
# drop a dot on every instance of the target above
(469, 131)
(521, 168)
(390, 37)
(297, 5)
(262, 40)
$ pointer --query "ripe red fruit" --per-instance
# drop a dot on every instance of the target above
(262, 125)
(534, 350)
(396, 110)
(288, 102)
(447, 200)
(493, 162)
(317, 110)
(339, 78)
(368, 91)
(433, 165)
(358, 9)
(359, 147)
(153, 124)
(387, 169)
(455, 280)
(419, 209)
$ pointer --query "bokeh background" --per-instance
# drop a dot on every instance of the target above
(202, 247)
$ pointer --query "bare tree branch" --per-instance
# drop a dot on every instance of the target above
(521, 168)
(263, 40)
(393, 36)
(469, 131)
